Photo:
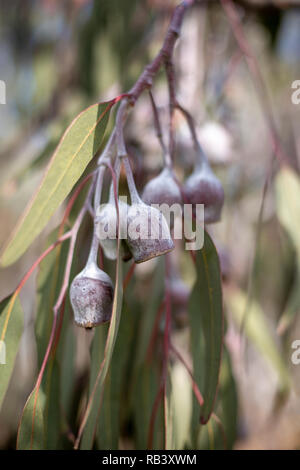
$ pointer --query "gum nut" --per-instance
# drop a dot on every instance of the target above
(106, 227)
(91, 295)
(203, 187)
(162, 189)
(148, 233)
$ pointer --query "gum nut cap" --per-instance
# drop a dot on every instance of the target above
(203, 187)
(162, 189)
(91, 295)
(106, 227)
(148, 233)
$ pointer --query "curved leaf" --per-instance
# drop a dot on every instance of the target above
(78, 145)
(287, 187)
(10, 335)
(31, 428)
(145, 392)
(49, 281)
(206, 321)
(103, 367)
(169, 415)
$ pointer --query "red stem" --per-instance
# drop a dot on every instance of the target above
(195, 387)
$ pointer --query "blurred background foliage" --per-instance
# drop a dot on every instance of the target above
(56, 58)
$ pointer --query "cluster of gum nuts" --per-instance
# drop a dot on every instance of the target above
(91, 292)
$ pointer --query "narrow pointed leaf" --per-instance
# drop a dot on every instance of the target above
(52, 409)
(287, 187)
(49, 281)
(31, 431)
(11, 328)
(113, 407)
(206, 321)
(170, 438)
(292, 306)
(103, 367)
(78, 145)
(145, 393)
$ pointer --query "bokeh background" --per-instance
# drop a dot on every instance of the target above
(58, 57)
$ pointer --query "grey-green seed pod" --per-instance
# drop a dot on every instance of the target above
(148, 232)
(106, 227)
(203, 187)
(162, 189)
(91, 295)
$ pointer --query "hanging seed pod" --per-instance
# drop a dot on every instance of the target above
(203, 187)
(162, 189)
(91, 295)
(106, 226)
(148, 233)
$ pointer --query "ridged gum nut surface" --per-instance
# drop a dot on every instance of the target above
(203, 187)
(91, 295)
(106, 220)
(148, 233)
(162, 189)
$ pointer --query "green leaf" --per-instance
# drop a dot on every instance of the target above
(49, 282)
(287, 187)
(292, 306)
(146, 376)
(31, 428)
(97, 355)
(52, 412)
(258, 332)
(228, 401)
(206, 322)
(108, 429)
(78, 145)
(182, 399)
(145, 393)
(11, 328)
(150, 311)
(170, 438)
(103, 367)
(68, 372)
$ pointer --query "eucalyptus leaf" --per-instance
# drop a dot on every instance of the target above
(31, 431)
(78, 145)
(11, 329)
(287, 186)
(206, 321)
(103, 366)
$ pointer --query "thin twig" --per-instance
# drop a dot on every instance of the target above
(158, 128)
(201, 156)
(195, 387)
(74, 233)
(170, 72)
